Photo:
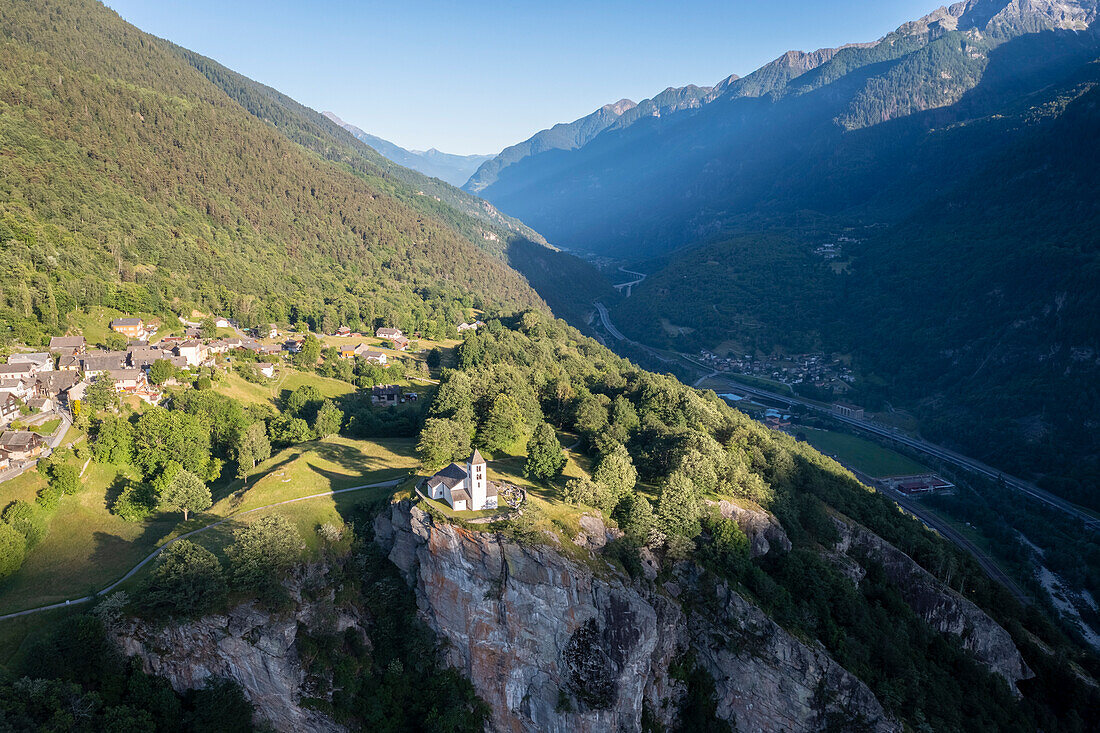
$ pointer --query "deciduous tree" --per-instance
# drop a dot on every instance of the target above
(186, 493)
(545, 458)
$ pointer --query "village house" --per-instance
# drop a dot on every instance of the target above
(389, 333)
(67, 345)
(9, 408)
(343, 331)
(374, 357)
(269, 349)
(21, 387)
(385, 395)
(465, 488)
(52, 384)
(221, 322)
(77, 392)
(272, 331)
(40, 404)
(470, 326)
(292, 346)
(99, 362)
(129, 327)
(217, 346)
(127, 380)
(348, 351)
(193, 351)
(142, 357)
(40, 361)
(16, 371)
(20, 445)
(400, 343)
(267, 369)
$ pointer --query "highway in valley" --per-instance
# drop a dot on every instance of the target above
(1090, 522)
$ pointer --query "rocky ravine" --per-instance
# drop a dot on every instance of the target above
(552, 646)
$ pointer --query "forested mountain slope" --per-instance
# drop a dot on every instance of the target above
(760, 144)
(956, 158)
(130, 180)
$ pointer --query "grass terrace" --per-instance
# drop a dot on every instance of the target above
(864, 455)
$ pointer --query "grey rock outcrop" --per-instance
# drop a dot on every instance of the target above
(764, 531)
(943, 608)
(552, 645)
(252, 647)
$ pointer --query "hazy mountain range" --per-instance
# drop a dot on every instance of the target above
(957, 159)
(454, 169)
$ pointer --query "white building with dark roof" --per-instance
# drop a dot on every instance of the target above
(465, 488)
(39, 361)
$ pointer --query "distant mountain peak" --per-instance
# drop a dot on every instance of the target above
(453, 169)
(620, 107)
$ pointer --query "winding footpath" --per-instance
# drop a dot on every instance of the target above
(133, 571)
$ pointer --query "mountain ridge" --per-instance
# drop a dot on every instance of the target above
(448, 167)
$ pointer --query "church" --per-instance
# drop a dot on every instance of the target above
(465, 488)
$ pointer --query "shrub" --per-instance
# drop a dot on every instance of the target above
(13, 548)
(187, 581)
(27, 521)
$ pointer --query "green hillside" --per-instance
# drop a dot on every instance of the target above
(129, 180)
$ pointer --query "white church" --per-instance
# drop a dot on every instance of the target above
(465, 488)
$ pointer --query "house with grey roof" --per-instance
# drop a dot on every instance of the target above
(67, 345)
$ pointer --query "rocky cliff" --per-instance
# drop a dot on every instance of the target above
(253, 647)
(943, 608)
(556, 645)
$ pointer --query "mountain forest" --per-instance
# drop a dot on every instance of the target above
(296, 433)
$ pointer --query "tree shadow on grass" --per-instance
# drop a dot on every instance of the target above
(119, 484)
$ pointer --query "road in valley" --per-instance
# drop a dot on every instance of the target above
(629, 285)
(946, 455)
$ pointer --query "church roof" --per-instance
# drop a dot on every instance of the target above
(459, 495)
(451, 476)
(477, 457)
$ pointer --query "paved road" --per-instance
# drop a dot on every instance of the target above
(154, 553)
(607, 324)
(936, 451)
(1090, 522)
(630, 285)
(948, 532)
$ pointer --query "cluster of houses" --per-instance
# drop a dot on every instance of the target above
(398, 340)
(818, 369)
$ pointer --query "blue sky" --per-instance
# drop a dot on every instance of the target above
(474, 77)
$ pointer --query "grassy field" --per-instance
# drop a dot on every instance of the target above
(864, 455)
(87, 547)
(287, 378)
(95, 325)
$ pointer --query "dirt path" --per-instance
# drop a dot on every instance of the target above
(154, 553)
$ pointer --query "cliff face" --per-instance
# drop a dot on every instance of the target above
(252, 647)
(551, 645)
(943, 608)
